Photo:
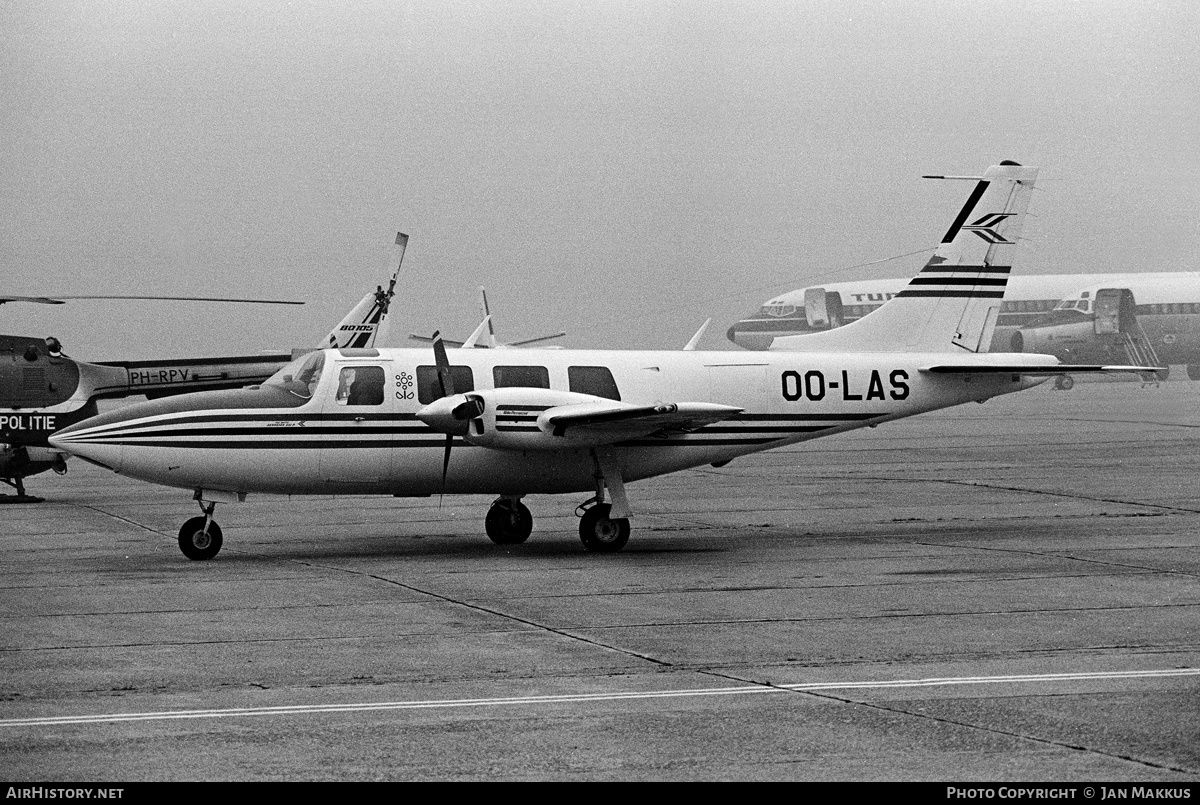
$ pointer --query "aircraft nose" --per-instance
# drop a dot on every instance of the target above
(91, 441)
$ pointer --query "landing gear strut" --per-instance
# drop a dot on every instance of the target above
(20, 497)
(599, 530)
(508, 522)
(16, 461)
(200, 537)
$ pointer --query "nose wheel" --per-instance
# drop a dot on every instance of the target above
(508, 522)
(200, 537)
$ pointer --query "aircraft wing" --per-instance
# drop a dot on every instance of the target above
(611, 422)
(1033, 369)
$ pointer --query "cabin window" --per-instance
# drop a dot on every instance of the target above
(533, 377)
(595, 380)
(360, 385)
(1082, 304)
(429, 388)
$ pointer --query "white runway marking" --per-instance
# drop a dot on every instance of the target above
(517, 701)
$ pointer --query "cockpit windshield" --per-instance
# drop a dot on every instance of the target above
(1072, 304)
(300, 377)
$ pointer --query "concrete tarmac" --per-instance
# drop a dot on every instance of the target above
(998, 592)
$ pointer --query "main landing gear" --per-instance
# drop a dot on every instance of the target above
(508, 521)
(604, 527)
(600, 532)
(200, 537)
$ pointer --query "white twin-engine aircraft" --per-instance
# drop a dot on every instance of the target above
(409, 422)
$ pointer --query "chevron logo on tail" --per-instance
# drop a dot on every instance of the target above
(984, 227)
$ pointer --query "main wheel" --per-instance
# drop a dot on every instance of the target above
(508, 523)
(1064, 383)
(600, 533)
(196, 543)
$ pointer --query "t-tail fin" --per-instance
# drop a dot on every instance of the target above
(366, 323)
(952, 304)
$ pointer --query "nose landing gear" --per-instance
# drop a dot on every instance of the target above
(200, 537)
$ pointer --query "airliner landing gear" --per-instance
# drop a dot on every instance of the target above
(508, 522)
(200, 537)
(601, 533)
(1064, 382)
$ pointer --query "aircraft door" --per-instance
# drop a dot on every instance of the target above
(357, 414)
(833, 306)
(1114, 311)
(816, 309)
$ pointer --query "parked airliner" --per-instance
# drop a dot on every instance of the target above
(1146, 318)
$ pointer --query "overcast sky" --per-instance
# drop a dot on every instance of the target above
(619, 170)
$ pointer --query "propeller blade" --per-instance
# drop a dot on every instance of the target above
(59, 300)
(445, 376)
(445, 467)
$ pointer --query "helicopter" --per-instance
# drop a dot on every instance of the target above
(42, 389)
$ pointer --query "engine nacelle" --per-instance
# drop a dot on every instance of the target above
(510, 418)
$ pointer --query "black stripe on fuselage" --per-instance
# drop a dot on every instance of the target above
(990, 281)
(183, 433)
(307, 444)
(914, 292)
(292, 420)
(803, 417)
(982, 268)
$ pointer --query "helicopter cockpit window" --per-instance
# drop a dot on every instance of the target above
(300, 377)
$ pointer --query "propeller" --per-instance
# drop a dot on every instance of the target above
(451, 413)
(456, 420)
(446, 380)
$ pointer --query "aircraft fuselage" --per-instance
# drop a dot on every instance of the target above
(269, 439)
